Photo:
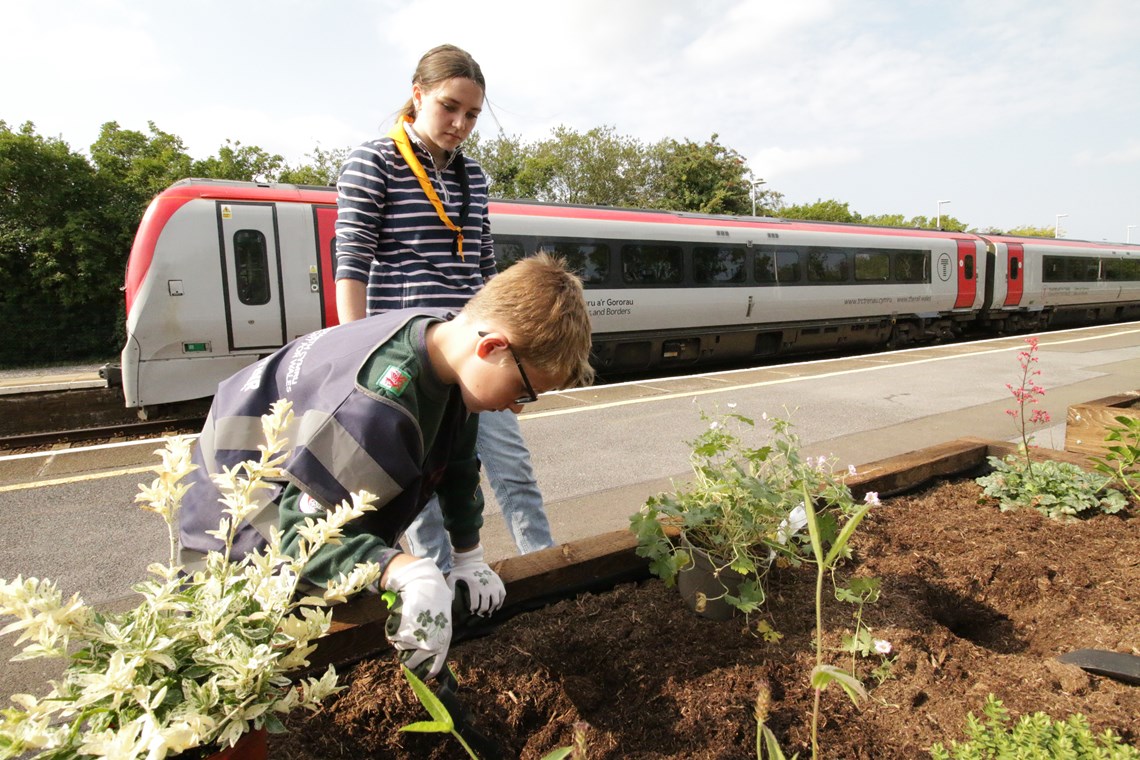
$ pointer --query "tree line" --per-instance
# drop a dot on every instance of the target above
(67, 219)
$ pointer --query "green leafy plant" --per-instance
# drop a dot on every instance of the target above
(1033, 737)
(859, 592)
(862, 644)
(744, 507)
(442, 722)
(205, 656)
(823, 675)
(1056, 489)
(747, 506)
(1122, 460)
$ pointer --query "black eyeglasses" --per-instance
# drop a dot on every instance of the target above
(531, 396)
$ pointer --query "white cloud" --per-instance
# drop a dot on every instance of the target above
(1129, 154)
(774, 163)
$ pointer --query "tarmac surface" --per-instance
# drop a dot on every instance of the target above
(598, 452)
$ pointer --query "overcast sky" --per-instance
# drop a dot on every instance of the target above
(1014, 111)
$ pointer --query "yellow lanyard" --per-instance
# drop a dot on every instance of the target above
(400, 136)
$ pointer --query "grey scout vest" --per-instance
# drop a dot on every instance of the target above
(340, 435)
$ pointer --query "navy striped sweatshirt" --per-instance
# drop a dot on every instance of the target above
(389, 235)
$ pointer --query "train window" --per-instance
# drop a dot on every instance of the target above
(590, 261)
(1053, 269)
(872, 266)
(646, 264)
(788, 267)
(720, 265)
(764, 266)
(251, 267)
(1121, 270)
(910, 266)
(1088, 269)
(827, 265)
(968, 261)
(507, 252)
(1014, 268)
(1070, 269)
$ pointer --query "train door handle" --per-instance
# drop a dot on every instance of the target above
(749, 312)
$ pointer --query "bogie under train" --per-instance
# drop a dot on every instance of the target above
(222, 273)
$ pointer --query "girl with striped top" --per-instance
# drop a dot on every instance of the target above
(413, 230)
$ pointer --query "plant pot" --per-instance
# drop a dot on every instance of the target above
(254, 745)
(702, 588)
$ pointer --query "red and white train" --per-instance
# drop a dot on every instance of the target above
(222, 273)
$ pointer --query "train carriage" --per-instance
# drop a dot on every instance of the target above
(668, 287)
(1057, 283)
(222, 273)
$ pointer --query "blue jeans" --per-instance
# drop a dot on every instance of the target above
(506, 461)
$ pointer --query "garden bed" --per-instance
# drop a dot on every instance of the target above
(1087, 424)
(974, 601)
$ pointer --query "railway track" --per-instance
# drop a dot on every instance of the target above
(127, 431)
(48, 419)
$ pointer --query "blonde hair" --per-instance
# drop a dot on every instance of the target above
(539, 304)
(437, 66)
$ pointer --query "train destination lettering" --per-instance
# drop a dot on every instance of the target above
(610, 307)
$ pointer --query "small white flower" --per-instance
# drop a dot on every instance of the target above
(764, 416)
(872, 498)
(882, 646)
(851, 470)
(732, 405)
(714, 426)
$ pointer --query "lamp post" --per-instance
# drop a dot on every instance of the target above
(938, 224)
(1057, 229)
(755, 184)
(1128, 233)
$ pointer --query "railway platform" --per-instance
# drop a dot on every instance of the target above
(70, 377)
(600, 452)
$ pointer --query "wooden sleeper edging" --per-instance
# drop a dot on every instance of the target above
(1087, 424)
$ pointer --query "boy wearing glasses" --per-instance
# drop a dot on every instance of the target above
(390, 405)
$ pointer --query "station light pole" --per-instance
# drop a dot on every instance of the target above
(755, 183)
(938, 223)
(1057, 229)
(1128, 233)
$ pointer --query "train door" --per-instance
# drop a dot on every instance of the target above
(325, 218)
(251, 269)
(967, 274)
(1015, 282)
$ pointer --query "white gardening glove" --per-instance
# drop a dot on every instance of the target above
(419, 623)
(484, 589)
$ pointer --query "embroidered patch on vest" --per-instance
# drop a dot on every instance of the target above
(309, 505)
(394, 380)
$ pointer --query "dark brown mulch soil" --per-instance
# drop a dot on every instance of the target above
(974, 601)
